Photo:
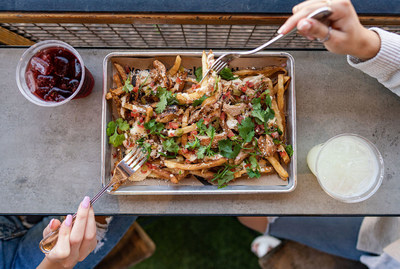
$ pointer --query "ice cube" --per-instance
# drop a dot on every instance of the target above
(30, 81)
(61, 66)
(73, 84)
(40, 66)
(77, 69)
(64, 83)
(46, 81)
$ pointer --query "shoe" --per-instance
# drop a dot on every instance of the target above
(264, 244)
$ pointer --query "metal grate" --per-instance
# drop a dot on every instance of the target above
(162, 35)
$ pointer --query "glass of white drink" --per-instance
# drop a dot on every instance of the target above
(348, 167)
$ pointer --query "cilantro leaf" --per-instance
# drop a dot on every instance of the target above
(112, 131)
(199, 74)
(289, 150)
(224, 176)
(128, 87)
(253, 173)
(246, 129)
(201, 152)
(199, 101)
(154, 127)
(111, 128)
(201, 127)
(193, 144)
(116, 139)
(227, 74)
(171, 146)
(166, 98)
(225, 148)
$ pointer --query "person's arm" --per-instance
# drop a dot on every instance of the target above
(75, 242)
(373, 51)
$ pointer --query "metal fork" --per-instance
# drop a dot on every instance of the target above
(320, 14)
(126, 167)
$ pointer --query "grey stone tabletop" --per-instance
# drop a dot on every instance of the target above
(50, 157)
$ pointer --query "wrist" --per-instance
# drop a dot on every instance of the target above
(368, 45)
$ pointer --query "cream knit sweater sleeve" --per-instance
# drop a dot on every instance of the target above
(385, 66)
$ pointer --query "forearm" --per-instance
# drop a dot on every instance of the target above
(47, 264)
(385, 66)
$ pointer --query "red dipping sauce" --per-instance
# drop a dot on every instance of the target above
(54, 74)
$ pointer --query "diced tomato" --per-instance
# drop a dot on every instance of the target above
(249, 84)
(206, 120)
(149, 165)
(134, 114)
(247, 165)
(231, 134)
(193, 133)
(140, 126)
(178, 80)
(141, 120)
(223, 116)
(171, 134)
(283, 153)
(144, 171)
(152, 84)
(185, 150)
(173, 125)
(228, 94)
(135, 89)
(275, 135)
(191, 137)
(243, 89)
(187, 161)
(239, 119)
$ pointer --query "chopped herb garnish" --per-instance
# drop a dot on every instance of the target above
(227, 74)
(199, 101)
(224, 176)
(171, 146)
(128, 87)
(228, 149)
(246, 129)
(253, 171)
(201, 152)
(198, 73)
(201, 127)
(166, 98)
(116, 139)
(289, 150)
(193, 144)
(154, 127)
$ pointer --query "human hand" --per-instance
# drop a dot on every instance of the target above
(75, 242)
(347, 35)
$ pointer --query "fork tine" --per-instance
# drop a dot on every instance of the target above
(221, 67)
(129, 154)
(137, 153)
(137, 159)
(135, 168)
(218, 65)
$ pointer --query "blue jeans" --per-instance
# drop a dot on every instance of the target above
(19, 247)
(333, 235)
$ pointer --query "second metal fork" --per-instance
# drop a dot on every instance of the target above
(320, 14)
(125, 168)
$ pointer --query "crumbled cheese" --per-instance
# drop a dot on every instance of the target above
(136, 130)
(231, 122)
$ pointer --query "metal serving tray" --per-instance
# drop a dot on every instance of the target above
(197, 187)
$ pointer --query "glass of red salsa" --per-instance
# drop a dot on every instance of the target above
(51, 73)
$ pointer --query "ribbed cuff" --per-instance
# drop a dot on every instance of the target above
(386, 61)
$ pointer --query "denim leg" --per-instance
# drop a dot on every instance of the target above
(116, 229)
(29, 255)
(334, 235)
(11, 232)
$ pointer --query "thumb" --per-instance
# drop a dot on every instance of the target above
(53, 225)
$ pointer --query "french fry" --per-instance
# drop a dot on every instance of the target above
(278, 115)
(174, 69)
(118, 91)
(121, 71)
(203, 173)
(109, 96)
(149, 114)
(278, 167)
(280, 92)
(185, 119)
(163, 174)
(196, 166)
(117, 80)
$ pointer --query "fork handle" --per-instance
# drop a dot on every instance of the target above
(320, 14)
(50, 240)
